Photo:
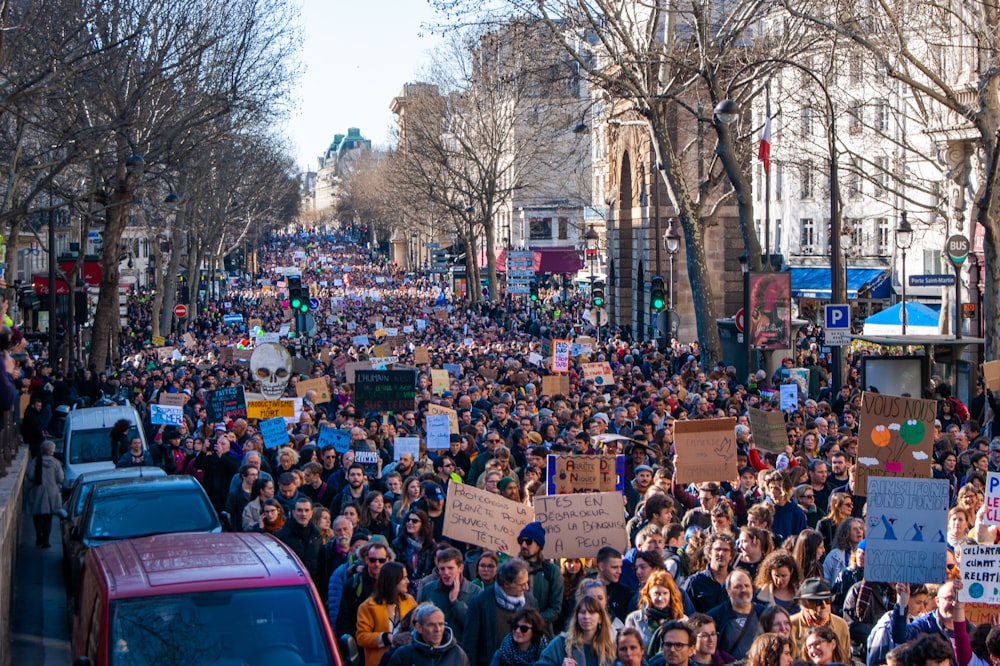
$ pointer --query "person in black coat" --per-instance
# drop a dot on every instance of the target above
(31, 427)
(303, 537)
(218, 468)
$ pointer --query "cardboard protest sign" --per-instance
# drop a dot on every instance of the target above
(580, 525)
(599, 372)
(585, 474)
(340, 440)
(991, 375)
(905, 530)
(421, 356)
(175, 399)
(440, 381)
(166, 415)
(478, 517)
(438, 432)
(165, 354)
(225, 403)
(980, 567)
(274, 432)
(351, 368)
(319, 385)
(268, 409)
(895, 437)
(800, 377)
(555, 385)
(242, 355)
(158, 340)
(768, 429)
(992, 516)
(403, 445)
(982, 614)
(371, 461)
(384, 390)
(706, 450)
(560, 356)
(189, 340)
(447, 411)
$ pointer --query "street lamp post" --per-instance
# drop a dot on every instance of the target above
(747, 345)
(591, 238)
(413, 251)
(728, 112)
(904, 237)
(672, 244)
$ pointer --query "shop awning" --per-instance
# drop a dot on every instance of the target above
(814, 282)
(92, 273)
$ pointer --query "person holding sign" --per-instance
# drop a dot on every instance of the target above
(546, 579)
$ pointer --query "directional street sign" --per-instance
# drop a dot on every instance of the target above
(944, 280)
(838, 324)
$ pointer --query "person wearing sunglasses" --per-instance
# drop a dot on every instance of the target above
(814, 598)
(524, 644)
(361, 585)
(546, 578)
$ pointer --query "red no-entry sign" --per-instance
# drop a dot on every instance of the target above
(180, 311)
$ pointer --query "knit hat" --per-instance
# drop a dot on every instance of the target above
(503, 483)
(535, 532)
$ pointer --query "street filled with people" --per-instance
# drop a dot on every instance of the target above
(405, 444)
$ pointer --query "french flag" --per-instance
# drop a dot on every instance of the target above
(764, 152)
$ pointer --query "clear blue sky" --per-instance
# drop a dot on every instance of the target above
(357, 54)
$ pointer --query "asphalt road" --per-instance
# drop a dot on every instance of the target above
(40, 632)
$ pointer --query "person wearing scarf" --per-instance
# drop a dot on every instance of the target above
(659, 602)
(525, 642)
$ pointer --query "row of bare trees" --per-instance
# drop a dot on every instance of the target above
(150, 112)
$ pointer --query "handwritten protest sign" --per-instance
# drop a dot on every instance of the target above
(371, 462)
(447, 411)
(166, 414)
(340, 440)
(274, 432)
(158, 340)
(440, 382)
(555, 385)
(706, 450)
(599, 372)
(229, 402)
(905, 530)
(421, 355)
(478, 517)
(768, 429)
(175, 399)
(268, 409)
(980, 567)
(438, 431)
(585, 474)
(580, 525)
(991, 375)
(895, 437)
(351, 368)
(319, 385)
(403, 445)
(560, 355)
(384, 390)
(992, 516)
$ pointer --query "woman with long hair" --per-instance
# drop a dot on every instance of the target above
(119, 439)
(776, 620)
(778, 581)
(809, 552)
(323, 522)
(573, 572)
(841, 506)
(376, 517)
(415, 545)
(753, 546)
(770, 650)
(44, 477)
(587, 639)
(525, 642)
(381, 613)
(821, 648)
(486, 569)
(850, 533)
(659, 601)
(410, 494)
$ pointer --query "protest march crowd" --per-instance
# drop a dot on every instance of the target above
(504, 485)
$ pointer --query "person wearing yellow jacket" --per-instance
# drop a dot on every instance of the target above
(381, 613)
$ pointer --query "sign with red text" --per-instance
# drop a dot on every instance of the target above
(992, 516)
(569, 474)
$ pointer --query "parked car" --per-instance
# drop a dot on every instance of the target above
(229, 598)
(73, 506)
(86, 441)
(139, 506)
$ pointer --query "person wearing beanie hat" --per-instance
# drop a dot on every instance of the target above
(546, 578)
(507, 487)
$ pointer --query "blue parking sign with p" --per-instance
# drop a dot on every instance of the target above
(838, 317)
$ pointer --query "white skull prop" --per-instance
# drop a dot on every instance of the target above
(271, 365)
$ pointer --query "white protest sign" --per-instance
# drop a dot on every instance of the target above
(438, 431)
(905, 530)
(166, 414)
(403, 445)
(789, 397)
(992, 516)
(560, 356)
(980, 567)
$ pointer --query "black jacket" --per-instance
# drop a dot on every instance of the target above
(308, 545)
(418, 653)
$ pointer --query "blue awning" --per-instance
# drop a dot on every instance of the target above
(815, 282)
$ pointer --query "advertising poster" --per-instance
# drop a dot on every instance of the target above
(770, 322)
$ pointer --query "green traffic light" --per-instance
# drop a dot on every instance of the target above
(658, 303)
(534, 297)
(304, 307)
(598, 301)
(296, 304)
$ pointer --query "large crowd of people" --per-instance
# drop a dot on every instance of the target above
(766, 568)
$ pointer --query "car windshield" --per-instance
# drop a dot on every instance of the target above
(277, 626)
(140, 513)
(87, 446)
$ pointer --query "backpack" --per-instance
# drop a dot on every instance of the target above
(961, 411)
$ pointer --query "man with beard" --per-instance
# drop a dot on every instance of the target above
(738, 617)
(546, 579)
(338, 549)
(354, 491)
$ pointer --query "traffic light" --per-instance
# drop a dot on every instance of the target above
(657, 296)
(534, 291)
(597, 294)
(295, 297)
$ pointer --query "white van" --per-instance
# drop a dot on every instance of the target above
(87, 439)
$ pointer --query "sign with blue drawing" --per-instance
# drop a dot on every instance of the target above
(166, 415)
(980, 567)
(905, 530)
(274, 432)
(340, 440)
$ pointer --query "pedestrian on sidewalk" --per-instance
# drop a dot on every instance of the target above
(45, 474)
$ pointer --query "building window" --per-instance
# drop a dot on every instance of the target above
(806, 180)
(882, 229)
(806, 122)
(779, 177)
(856, 117)
(854, 180)
(932, 262)
(855, 68)
(881, 175)
(807, 235)
(882, 120)
(563, 228)
(540, 228)
(777, 236)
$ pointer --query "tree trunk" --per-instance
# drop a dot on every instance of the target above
(744, 193)
(158, 290)
(104, 343)
(491, 259)
(169, 282)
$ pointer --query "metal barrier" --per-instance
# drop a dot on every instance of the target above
(10, 440)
